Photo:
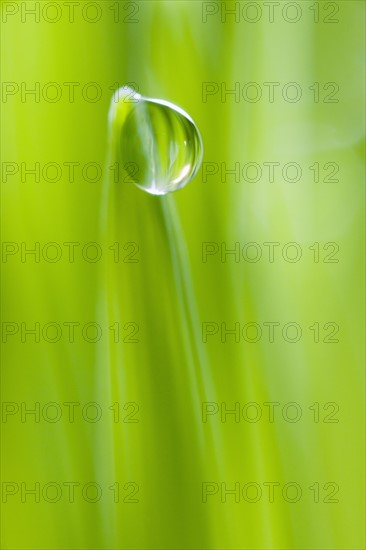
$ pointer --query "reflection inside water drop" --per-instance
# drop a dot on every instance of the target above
(157, 142)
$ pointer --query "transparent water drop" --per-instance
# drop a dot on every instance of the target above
(157, 142)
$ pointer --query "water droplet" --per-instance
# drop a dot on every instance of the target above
(157, 142)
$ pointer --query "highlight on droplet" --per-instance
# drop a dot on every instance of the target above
(155, 138)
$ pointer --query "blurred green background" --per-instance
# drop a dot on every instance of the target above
(169, 50)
